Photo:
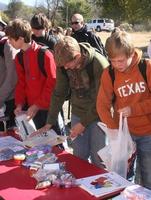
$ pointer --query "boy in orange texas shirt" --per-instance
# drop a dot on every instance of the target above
(132, 97)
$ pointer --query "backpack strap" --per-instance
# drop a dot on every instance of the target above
(142, 68)
(112, 76)
(20, 58)
(112, 73)
(89, 68)
(40, 57)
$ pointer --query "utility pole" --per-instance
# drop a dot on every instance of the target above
(67, 15)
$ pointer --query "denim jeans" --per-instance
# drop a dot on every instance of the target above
(89, 143)
(143, 164)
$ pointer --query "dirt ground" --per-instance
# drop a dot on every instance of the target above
(140, 39)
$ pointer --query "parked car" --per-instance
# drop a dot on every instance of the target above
(102, 24)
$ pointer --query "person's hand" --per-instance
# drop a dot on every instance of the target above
(31, 112)
(44, 129)
(126, 111)
(76, 130)
(18, 110)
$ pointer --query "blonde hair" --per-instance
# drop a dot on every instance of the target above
(120, 42)
(65, 49)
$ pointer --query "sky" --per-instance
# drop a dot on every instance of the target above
(26, 2)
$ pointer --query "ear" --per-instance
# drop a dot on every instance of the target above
(132, 54)
(21, 38)
(82, 22)
(78, 55)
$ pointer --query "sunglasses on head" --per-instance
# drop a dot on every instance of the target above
(75, 23)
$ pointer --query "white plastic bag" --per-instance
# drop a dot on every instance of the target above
(120, 148)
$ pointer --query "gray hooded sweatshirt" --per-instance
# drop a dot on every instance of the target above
(8, 77)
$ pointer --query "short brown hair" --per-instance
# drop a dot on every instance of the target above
(40, 21)
(19, 28)
(120, 42)
(64, 50)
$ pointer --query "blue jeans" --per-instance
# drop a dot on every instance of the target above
(89, 143)
(143, 164)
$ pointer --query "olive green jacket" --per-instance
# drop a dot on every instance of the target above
(83, 101)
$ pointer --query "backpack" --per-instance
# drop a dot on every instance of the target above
(40, 57)
(142, 68)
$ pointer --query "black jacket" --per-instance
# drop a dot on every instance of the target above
(47, 40)
(83, 35)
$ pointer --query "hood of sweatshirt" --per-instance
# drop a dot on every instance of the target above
(87, 52)
(136, 58)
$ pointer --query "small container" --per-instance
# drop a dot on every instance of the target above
(18, 158)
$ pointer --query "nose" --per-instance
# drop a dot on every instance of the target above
(66, 66)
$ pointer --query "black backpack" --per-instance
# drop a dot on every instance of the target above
(142, 68)
(40, 56)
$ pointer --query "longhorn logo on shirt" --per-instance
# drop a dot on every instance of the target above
(131, 88)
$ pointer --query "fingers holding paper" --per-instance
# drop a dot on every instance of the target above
(41, 130)
(32, 111)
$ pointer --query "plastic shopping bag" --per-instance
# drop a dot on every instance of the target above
(120, 148)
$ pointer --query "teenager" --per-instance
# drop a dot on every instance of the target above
(33, 89)
(79, 67)
(132, 97)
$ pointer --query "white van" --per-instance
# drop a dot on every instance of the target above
(102, 24)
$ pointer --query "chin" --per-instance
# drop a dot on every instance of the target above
(121, 70)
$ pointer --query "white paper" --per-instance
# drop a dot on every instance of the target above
(50, 137)
(26, 127)
(112, 183)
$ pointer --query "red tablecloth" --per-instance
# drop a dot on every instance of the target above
(16, 183)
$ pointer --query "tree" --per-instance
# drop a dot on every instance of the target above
(17, 9)
(4, 17)
(52, 7)
(79, 6)
(132, 11)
